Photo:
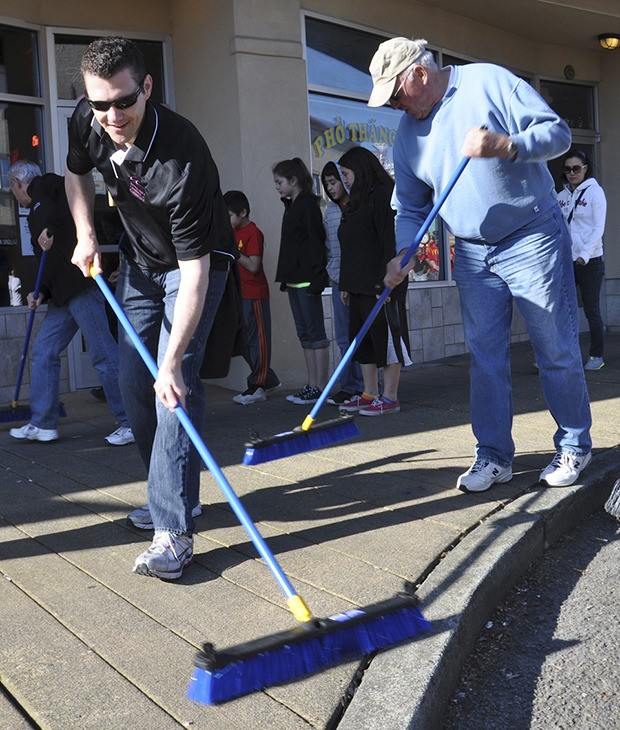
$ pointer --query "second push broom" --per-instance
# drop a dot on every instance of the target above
(314, 644)
(309, 437)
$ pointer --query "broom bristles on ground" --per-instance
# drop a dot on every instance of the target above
(23, 413)
(613, 503)
(304, 650)
(298, 441)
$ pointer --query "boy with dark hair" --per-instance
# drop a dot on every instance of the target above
(255, 295)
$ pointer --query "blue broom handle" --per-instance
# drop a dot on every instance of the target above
(35, 294)
(387, 291)
(215, 470)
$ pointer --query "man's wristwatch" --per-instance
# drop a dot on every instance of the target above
(513, 150)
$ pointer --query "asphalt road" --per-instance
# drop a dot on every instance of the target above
(548, 658)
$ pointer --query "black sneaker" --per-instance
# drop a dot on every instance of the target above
(339, 398)
(294, 396)
(308, 398)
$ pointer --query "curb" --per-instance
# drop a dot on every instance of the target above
(409, 686)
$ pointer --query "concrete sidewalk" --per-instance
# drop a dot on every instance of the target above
(85, 643)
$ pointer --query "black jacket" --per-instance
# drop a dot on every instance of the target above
(302, 255)
(49, 209)
(367, 244)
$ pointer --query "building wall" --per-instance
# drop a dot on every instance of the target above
(239, 75)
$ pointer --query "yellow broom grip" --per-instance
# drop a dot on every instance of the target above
(299, 609)
(307, 424)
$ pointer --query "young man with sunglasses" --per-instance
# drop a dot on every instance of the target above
(175, 259)
(511, 242)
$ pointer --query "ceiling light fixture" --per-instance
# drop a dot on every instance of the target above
(609, 41)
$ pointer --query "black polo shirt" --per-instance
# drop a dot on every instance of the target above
(167, 187)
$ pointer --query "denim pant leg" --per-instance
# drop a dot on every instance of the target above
(535, 263)
(173, 462)
(88, 310)
(351, 377)
(589, 278)
(57, 330)
(486, 307)
(308, 318)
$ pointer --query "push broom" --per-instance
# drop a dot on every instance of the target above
(23, 413)
(314, 644)
(308, 437)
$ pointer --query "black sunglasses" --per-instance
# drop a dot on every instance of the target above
(574, 169)
(123, 102)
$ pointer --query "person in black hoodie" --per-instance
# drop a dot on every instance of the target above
(367, 244)
(72, 302)
(301, 271)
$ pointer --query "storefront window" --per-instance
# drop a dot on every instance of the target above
(21, 137)
(339, 85)
(69, 49)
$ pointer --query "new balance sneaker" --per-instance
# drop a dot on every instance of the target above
(141, 517)
(291, 398)
(482, 475)
(308, 398)
(339, 398)
(34, 433)
(594, 363)
(254, 394)
(121, 437)
(564, 469)
(167, 556)
(380, 407)
(355, 403)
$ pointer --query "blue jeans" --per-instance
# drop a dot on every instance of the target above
(308, 317)
(351, 377)
(85, 311)
(173, 464)
(589, 279)
(534, 267)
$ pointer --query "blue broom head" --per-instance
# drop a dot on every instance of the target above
(298, 441)
(304, 650)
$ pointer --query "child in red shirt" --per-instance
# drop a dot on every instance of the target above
(255, 295)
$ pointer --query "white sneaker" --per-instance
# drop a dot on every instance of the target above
(249, 396)
(120, 437)
(34, 433)
(141, 517)
(168, 555)
(564, 469)
(482, 475)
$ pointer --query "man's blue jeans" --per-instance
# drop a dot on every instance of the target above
(85, 311)
(534, 267)
(351, 376)
(172, 462)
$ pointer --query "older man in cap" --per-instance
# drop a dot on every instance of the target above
(511, 241)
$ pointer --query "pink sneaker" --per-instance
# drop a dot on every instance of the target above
(380, 407)
(354, 404)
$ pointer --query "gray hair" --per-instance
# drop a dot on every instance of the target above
(24, 171)
(427, 60)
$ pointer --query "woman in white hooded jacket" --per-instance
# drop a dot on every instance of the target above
(584, 207)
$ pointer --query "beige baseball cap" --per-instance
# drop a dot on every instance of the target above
(391, 58)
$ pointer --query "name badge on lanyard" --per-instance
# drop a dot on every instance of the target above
(137, 188)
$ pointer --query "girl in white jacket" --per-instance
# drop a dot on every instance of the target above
(584, 207)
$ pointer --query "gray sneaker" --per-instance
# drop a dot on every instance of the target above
(34, 433)
(168, 555)
(594, 363)
(121, 437)
(141, 517)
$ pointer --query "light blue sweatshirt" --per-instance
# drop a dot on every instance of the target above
(493, 197)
